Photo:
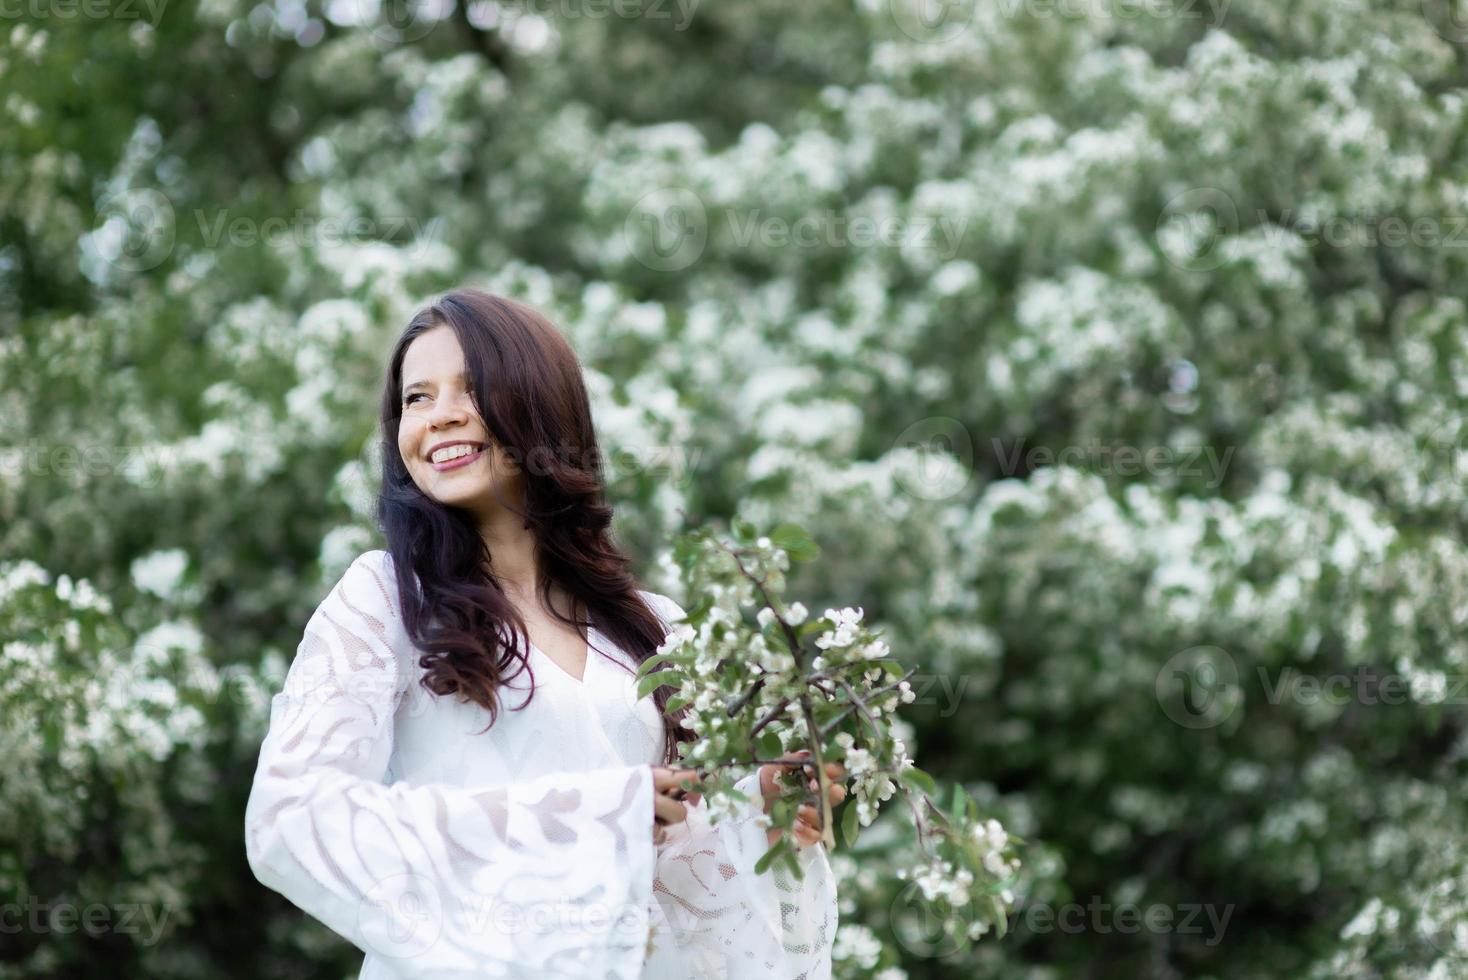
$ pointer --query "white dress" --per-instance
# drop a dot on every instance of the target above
(525, 851)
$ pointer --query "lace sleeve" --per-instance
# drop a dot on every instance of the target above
(551, 874)
(717, 918)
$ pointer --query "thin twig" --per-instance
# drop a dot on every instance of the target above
(759, 583)
(769, 716)
(745, 698)
(822, 784)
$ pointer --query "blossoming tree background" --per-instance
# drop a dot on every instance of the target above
(1112, 352)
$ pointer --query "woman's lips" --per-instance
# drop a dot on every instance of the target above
(454, 464)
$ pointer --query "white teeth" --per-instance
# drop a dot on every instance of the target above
(453, 452)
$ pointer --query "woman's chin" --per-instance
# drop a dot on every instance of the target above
(483, 501)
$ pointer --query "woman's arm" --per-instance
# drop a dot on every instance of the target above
(549, 874)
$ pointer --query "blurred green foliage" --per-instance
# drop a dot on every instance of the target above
(1112, 352)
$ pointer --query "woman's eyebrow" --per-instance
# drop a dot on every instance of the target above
(463, 376)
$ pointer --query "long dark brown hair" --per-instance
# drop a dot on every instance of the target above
(529, 391)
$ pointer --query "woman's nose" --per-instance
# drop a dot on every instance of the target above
(449, 411)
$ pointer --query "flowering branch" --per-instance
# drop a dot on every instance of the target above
(764, 689)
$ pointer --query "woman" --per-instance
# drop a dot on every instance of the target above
(457, 802)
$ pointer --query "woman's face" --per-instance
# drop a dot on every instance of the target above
(443, 441)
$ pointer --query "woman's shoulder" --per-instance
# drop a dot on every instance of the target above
(668, 610)
(370, 583)
(374, 563)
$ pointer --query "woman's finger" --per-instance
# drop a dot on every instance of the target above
(674, 782)
(667, 810)
(835, 772)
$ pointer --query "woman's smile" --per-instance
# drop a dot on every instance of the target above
(455, 455)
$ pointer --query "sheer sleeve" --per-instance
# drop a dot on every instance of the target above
(550, 875)
(716, 917)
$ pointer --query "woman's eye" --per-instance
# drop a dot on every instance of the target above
(409, 399)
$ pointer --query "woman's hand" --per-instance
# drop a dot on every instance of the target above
(670, 798)
(808, 818)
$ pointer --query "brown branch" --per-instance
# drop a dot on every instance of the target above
(746, 697)
(769, 716)
(822, 783)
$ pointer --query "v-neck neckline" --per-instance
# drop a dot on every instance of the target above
(585, 667)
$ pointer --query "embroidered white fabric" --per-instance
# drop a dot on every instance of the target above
(522, 852)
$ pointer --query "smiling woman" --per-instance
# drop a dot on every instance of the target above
(399, 802)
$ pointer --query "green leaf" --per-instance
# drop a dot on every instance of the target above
(676, 702)
(694, 614)
(778, 848)
(796, 542)
(654, 681)
(1001, 923)
(960, 803)
(652, 663)
(915, 777)
(744, 531)
(768, 745)
(850, 826)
